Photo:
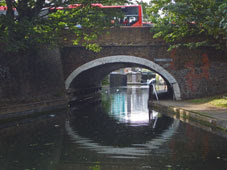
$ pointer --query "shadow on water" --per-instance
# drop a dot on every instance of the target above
(118, 134)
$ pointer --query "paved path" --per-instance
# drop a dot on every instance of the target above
(207, 109)
(218, 114)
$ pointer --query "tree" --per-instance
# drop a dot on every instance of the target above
(29, 23)
(186, 19)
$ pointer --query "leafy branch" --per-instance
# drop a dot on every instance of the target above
(29, 23)
(190, 23)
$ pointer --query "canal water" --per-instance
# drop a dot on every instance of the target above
(118, 134)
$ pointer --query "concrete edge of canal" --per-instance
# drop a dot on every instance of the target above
(197, 118)
(17, 112)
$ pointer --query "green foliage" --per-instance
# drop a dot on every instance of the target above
(105, 81)
(34, 26)
(106, 101)
(219, 101)
(2, 3)
(197, 22)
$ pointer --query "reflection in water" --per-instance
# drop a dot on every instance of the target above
(132, 151)
(134, 132)
(110, 136)
(129, 105)
(104, 129)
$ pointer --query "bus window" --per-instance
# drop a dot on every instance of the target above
(134, 17)
(3, 10)
(131, 15)
(130, 11)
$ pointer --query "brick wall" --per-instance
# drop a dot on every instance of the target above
(32, 77)
(199, 72)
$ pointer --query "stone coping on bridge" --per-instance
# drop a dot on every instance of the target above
(208, 117)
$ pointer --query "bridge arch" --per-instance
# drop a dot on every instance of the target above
(124, 61)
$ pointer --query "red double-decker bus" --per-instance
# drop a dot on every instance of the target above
(132, 14)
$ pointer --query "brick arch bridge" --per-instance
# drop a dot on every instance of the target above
(189, 73)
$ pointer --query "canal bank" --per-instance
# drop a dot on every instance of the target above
(204, 114)
(21, 111)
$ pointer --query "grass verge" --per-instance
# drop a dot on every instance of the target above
(219, 101)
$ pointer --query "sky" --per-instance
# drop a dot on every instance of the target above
(142, 0)
(146, 1)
